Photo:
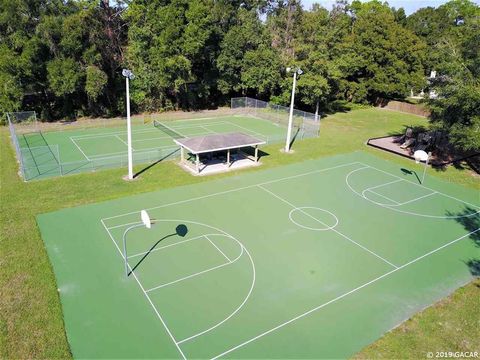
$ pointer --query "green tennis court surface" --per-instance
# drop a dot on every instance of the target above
(312, 260)
(66, 152)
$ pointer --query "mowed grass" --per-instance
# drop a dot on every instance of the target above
(31, 324)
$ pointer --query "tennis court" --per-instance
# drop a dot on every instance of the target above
(47, 154)
(311, 260)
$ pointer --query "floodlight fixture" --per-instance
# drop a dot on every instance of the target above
(147, 222)
(128, 74)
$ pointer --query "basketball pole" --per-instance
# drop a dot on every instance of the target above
(424, 170)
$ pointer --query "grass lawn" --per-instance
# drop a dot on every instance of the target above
(31, 322)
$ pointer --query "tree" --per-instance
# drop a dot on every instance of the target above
(312, 55)
(457, 108)
(246, 62)
(382, 59)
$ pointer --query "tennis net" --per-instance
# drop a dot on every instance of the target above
(167, 130)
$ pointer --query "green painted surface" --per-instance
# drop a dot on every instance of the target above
(299, 261)
(67, 152)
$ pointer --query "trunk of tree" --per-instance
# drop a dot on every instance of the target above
(316, 110)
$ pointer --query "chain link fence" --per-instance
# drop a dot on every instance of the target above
(37, 159)
(305, 124)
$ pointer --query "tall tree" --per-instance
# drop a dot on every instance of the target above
(382, 59)
(457, 107)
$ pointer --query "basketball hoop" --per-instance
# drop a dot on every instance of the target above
(146, 219)
(419, 156)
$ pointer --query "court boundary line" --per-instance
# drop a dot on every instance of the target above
(152, 130)
(246, 129)
(124, 153)
(342, 295)
(232, 190)
(278, 180)
(119, 138)
(79, 148)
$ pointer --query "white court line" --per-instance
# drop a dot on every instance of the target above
(333, 229)
(381, 185)
(341, 296)
(167, 246)
(79, 148)
(246, 129)
(189, 276)
(137, 153)
(231, 190)
(200, 272)
(113, 133)
(243, 249)
(200, 119)
(119, 138)
(419, 198)
(383, 196)
(216, 247)
(394, 207)
(209, 131)
(146, 295)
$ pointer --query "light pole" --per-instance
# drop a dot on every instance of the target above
(147, 222)
(129, 76)
(292, 100)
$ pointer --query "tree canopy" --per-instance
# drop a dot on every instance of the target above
(63, 58)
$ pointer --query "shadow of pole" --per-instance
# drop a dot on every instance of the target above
(411, 172)
(181, 230)
(294, 137)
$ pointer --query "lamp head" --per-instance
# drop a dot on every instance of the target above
(299, 71)
(128, 74)
(289, 69)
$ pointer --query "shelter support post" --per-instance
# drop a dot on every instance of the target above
(198, 163)
(256, 153)
(228, 158)
(182, 155)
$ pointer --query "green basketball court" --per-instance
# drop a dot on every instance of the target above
(311, 260)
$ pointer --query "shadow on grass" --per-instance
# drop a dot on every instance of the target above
(469, 218)
(155, 163)
(416, 130)
(181, 231)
